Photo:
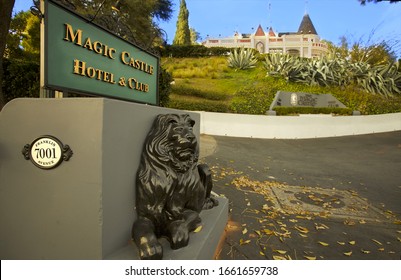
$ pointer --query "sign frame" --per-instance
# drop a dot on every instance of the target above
(110, 85)
(47, 152)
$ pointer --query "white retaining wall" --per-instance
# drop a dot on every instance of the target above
(296, 127)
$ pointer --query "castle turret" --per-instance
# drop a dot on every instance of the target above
(306, 26)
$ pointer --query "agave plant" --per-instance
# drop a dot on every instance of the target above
(242, 59)
(381, 79)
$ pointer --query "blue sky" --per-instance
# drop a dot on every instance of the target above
(332, 18)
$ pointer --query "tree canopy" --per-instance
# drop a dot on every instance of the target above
(183, 33)
(133, 20)
(6, 7)
(23, 41)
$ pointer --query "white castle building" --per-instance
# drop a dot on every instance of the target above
(304, 43)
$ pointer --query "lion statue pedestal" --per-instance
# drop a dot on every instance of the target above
(171, 187)
(95, 190)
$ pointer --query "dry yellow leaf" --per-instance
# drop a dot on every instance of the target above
(244, 231)
(352, 242)
(261, 253)
(301, 229)
(341, 243)
(268, 231)
(378, 242)
(311, 258)
(243, 242)
(198, 229)
(278, 258)
(362, 222)
(399, 239)
(349, 222)
(303, 235)
(348, 253)
(323, 243)
(280, 252)
(381, 249)
(258, 232)
(321, 226)
(365, 251)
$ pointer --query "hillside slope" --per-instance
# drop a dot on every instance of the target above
(208, 84)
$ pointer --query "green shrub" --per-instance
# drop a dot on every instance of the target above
(251, 100)
(198, 105)
(190, 91)
(257, 100)
(20, 79)
(284, 111)
(165, 80)
(192, 51)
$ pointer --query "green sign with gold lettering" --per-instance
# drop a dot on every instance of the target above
(83, 57)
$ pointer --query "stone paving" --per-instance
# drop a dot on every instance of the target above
(330, 198)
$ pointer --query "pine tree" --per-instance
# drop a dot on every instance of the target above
(182, 34)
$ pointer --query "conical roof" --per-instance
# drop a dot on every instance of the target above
(306, 26)
(259, 31)
(271, 32)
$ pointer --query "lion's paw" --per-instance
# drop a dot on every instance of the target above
(179, 235)
(210, 202)
(150, 250)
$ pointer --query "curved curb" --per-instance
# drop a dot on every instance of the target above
(296, 127)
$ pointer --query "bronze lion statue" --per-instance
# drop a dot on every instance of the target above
(171, 187)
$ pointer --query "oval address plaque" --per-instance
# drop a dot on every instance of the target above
(47, 152)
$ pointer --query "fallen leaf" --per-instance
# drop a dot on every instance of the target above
(378, 242)
(311, 258)
(280, 252)
(321, 226)
(348, 253)
(362, 222)
(341, 243)
(258, 232)
(198, 229)
(365, 251)
(303, 235)
(399, 239)
(352, 242)
(397, 222)
(268, 231)
(349, 222)
(243, 242)
(301, 229)
(244, 231)
(279, 258)
(323, 243)
(261, 253)
(381, 249)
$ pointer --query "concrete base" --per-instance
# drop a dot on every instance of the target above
(202, 245)
(84, 208)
